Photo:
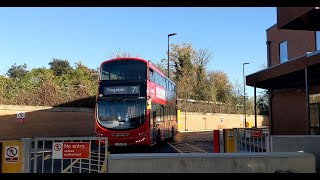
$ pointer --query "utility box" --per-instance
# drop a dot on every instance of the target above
(11, 157)
(229, 140)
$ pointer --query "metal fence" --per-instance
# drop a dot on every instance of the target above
(65, 155)
(252, 139)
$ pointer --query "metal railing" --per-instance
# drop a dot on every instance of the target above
(252, 139)
(65, 155)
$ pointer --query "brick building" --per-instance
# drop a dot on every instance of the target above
(293, 74)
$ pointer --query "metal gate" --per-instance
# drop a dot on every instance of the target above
(252, 139)
(65, 155)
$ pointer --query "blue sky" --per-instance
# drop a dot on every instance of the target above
(233, 34)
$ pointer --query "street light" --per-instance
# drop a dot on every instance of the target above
(244, 94)
(173, 34)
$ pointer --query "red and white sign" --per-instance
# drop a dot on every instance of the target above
(21, 116)
(160, 93)
(256, 133)
(71, 150)
(11, 154)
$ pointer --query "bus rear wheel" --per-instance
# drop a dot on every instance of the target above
(158, 137)
(172, 134)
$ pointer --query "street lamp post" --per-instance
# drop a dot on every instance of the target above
(244, 94)
(173, 34)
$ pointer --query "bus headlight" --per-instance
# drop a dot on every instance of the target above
(99, 134)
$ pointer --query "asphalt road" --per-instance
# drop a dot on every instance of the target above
(184, 142)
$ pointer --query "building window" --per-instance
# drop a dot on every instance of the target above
(318, 40)
(283, 46)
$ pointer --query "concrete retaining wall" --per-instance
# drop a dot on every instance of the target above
(305, 143)
(211, 163)
(42, 121)
(45, 121)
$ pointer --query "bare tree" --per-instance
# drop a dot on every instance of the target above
(122, 54)
(202, 58)
(200, 63)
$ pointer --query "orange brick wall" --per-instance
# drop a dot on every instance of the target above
(46, 122)
(197, 121)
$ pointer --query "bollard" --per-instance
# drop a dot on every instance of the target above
(216, 141)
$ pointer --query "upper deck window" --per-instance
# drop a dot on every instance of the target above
(151, 75)
(283, 47)
(123, 70)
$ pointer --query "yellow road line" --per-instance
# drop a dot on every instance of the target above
(175, 148)
(67, 168)
(37, 156)
(104, 167)
(185, 148)
(197, 148)
(47, 157)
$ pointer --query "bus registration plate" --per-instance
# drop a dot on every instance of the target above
(120, 144)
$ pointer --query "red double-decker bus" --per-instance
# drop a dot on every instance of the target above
(135, 104)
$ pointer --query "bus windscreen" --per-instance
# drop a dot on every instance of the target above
(124, 114)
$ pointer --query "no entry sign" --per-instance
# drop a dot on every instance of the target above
(71, 150)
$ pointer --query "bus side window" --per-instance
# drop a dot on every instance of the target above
(162, 113)
(166, 113)
(163, 82)
(158, 113)
(166, 83)
(151, 75)
(153, 115)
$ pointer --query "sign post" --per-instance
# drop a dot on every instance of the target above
(216, 143)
